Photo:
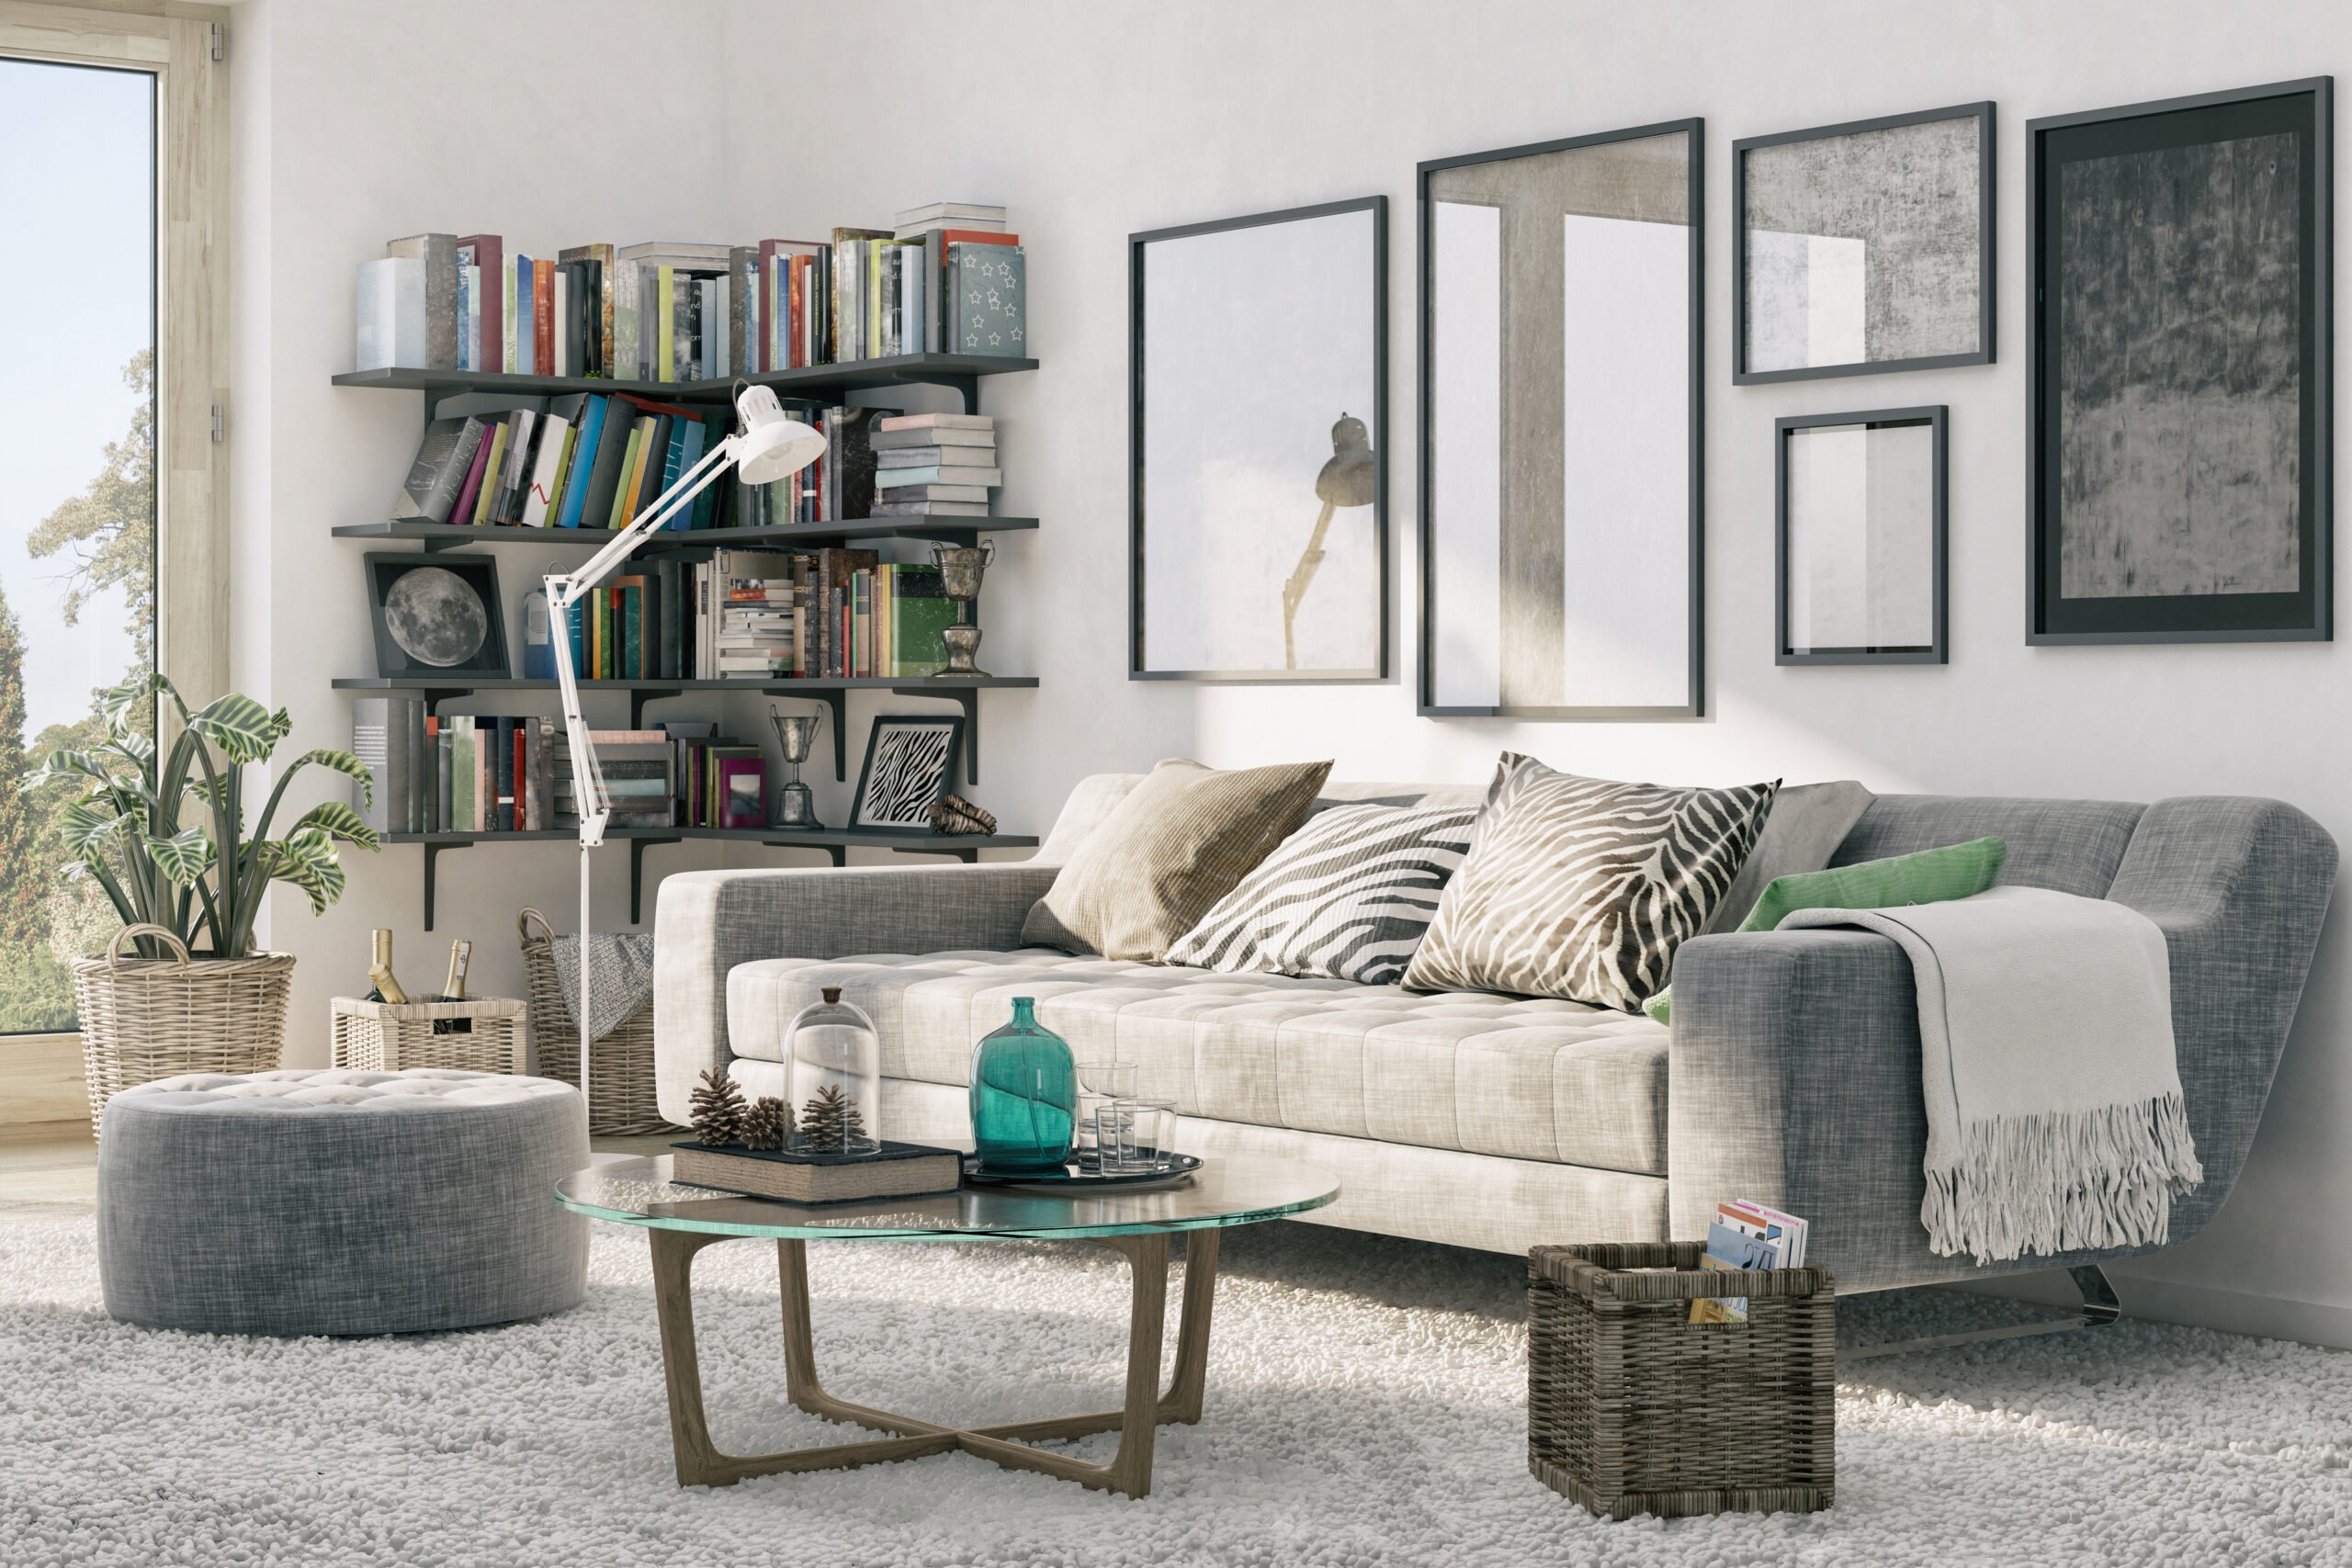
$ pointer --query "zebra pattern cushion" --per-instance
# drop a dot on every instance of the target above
(1583, 888)
(1346, 897)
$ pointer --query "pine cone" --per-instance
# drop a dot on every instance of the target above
(718, 1113)
(767, 1124)
(829, 1121)
(954, 814)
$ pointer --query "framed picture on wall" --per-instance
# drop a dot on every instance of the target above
(1864, 247)
(2179, 458)
(910, 763)
(1859, 525)
(437, 615)
(1561, 408)
(1258, 498)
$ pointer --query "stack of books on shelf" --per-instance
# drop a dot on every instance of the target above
(934, 465)
(946, 278)
(462, 774)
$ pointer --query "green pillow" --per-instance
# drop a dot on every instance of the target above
(1931, 876)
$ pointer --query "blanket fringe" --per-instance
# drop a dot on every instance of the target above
(2063, 1181)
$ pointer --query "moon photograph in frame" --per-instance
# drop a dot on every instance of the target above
(437, 615)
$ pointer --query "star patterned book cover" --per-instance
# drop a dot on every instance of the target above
(989, 285)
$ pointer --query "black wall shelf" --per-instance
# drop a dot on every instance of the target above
(835, 841)
(964, 691)
(958, 372)
(698, 541)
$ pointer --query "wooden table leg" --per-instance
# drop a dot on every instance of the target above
(1189, 1382)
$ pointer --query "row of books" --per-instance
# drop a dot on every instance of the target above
(758, 614)
(673, 775)
(946, 278)
(1746, 1235)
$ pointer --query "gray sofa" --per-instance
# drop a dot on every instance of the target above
(1790, 1075)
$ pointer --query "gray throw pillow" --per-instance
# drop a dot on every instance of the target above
(1583, 888)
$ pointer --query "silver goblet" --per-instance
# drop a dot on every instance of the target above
(961, 567)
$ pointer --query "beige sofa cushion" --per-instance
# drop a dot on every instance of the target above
(1166, 853)
(1528, 1079)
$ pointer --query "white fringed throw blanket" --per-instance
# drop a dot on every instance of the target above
(2054, 1116)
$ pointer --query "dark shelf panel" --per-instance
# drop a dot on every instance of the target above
(957, 370)
(694, 541)
(835, 841)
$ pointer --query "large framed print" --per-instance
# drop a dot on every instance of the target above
(1859, 521)
(1864, 247)
(2179, 457)
(1258, 480)
(1561, 375)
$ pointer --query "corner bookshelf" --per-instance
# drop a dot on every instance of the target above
(958, 372)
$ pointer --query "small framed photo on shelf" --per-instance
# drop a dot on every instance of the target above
(1864, 247)
(742, 792)
(437, 615)
(909, 762)
(1859, 559)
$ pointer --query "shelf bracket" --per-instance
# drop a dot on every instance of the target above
(636, 848)
(966, 385)
(837, 854)
(642, 695)
(969, 857)
(968, 699)
(432, 867)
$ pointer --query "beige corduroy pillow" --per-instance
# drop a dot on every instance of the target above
(1179, 842)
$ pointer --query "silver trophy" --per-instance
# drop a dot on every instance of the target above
(961, 567)
(793, 803)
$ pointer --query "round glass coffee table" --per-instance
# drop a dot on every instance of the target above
(680, 1221)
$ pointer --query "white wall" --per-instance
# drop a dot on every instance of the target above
(1095, 120)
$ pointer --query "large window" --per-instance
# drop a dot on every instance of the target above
(111, 380)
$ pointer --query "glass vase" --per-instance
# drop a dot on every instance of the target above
(1024, 1094)
(834, 1071)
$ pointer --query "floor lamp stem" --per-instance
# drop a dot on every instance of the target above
(586, 856)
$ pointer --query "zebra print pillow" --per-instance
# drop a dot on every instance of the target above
(1583, 888)
(1345, 898)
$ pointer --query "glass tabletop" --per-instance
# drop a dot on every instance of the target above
(1239, 1191)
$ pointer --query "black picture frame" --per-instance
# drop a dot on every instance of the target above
(1426, 703)
(396, 655)
(2303, 109)
(898, 815)
(1137, 245)
(1986, 269)
(1936, 649)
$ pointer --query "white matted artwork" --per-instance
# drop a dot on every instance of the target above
(1257, 499)
(1860, 538)
(909, 762)
(1560, 367)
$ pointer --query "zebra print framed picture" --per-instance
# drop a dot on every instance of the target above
(910, 763)
(1561, 362)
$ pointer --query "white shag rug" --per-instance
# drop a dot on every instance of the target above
(1367, 1407)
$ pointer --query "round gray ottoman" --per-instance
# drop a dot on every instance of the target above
(328, 1201)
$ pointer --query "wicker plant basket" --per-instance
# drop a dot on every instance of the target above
(144, 1019)
(621, 1091)
(480, 1034)
(1632, 1409)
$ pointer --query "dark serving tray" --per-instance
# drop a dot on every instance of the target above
(1077, 1178)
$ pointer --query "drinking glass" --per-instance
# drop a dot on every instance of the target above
(1101, 1086)
(1145, 1134)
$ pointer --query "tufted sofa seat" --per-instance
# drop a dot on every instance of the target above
(331, 1202)
(1524, 1077)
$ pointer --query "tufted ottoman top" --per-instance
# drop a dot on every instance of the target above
(415, 1091)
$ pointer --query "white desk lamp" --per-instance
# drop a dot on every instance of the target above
(768, 447)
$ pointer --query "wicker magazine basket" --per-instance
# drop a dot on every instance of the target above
(144, 1019)
(1632, 1409)
(621, 1103)
(480, 1034)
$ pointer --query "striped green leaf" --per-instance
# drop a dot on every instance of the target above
(184, 856)
(338, 820)
(241, 728)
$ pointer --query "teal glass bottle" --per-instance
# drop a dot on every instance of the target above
(1024, 1094)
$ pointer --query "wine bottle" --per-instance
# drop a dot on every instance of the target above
(379, 970)
(453, 990)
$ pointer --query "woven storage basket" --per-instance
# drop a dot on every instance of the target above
(1632, 1409)
(485, 1034)
(620, 1092)
(144, 1019)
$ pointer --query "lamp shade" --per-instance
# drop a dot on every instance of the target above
(769, 447)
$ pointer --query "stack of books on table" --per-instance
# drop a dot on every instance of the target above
(934, 465)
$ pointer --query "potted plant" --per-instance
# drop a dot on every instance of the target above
(165, 832)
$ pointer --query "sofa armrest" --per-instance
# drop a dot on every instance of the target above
(1793, 1080)
(706, 922)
